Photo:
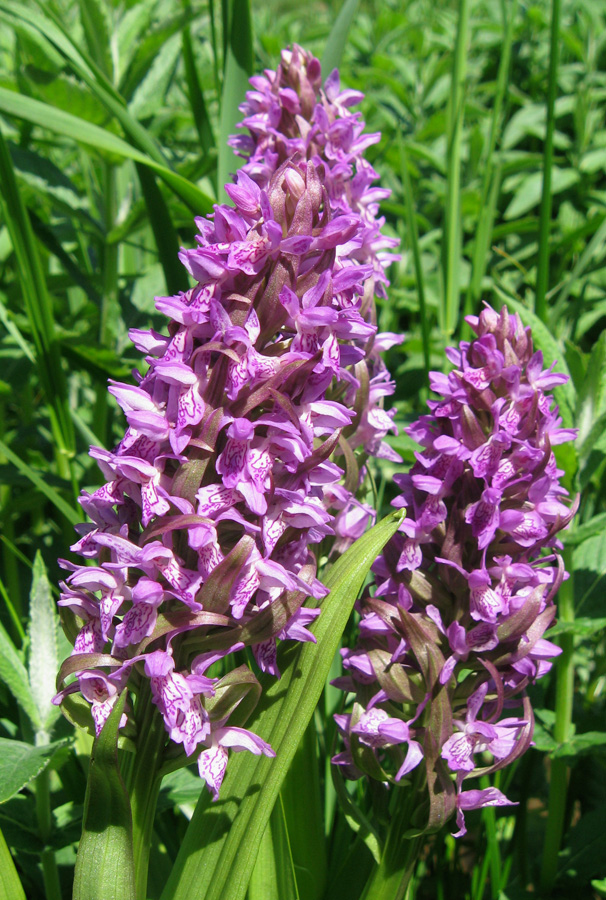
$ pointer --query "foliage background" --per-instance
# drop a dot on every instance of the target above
(91, 224)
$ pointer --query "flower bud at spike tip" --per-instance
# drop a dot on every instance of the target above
(231, 469)
(453, 631)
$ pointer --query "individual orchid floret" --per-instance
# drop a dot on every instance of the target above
(465, 591)
(249, 428)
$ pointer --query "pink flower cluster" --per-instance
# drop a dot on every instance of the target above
(465, 591)
(265, 386)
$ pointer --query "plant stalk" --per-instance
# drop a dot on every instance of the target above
(143, 783)
(50, 872)
(545, 213)
(390, 879)
(452, 216)
(558, 782)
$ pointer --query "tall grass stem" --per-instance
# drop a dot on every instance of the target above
(451, 242)
(413, 241)
(491, 179)
(545, 213)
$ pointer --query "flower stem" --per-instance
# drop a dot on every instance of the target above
(390, 880)
(143, 784)
(558, 782)
(50, 873)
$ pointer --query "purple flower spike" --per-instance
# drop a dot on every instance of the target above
(265, 387)
(465, 591)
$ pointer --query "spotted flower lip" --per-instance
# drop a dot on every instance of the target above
(266, 386)
(465, 591)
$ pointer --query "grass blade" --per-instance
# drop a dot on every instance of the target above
(39, 310)
(10, 885)
(238, 69)
(165, 235)
(451, 241)
(545, 213)
(413, 240)
(196, 96)
(337, 39)
(37, 479)
(491, 181)
(219, 850)
(60, 122)
(558, 779)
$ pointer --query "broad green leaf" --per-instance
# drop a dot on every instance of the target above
(104, 865)
(583, 627)
(10, 885)
(592, 393)
(97, 27)
(20, 763)
(60, 122)
(576, 536)
(231, 829)
(14, 675)
(151, 91)
(599, 886)
(337, 39)
(594, 161)
(43, 652)
(130, 30)
(528, 193)
(582, 745)
(552, 351)
(583, 856)
(43, 175)
(238, 69)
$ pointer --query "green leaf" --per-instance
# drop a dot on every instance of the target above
(304, 817)
(528, 194)
(43, 175)
(582, 628)
(583, 856)
(151, 91)
(39, 308)
(231, 829)
(60, 122)
(592, 393)
(38, 479)
(104, 865)
(594, 161)
(274, 876)
(589, 566)
(196, 95)
(14, 675)
(581, 745)
(43, 652)
(20, 763)
(238, 69)
(337, 39)
(10, 885)
(97, 30)
(576, 536)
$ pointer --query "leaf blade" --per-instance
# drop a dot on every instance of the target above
(223, 869)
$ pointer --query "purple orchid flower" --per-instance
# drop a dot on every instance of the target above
(465, 591)
(266, 385)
